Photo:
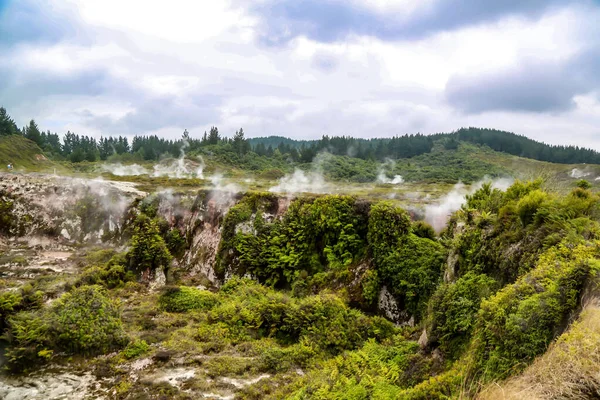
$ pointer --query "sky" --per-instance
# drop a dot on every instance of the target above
(304, 68)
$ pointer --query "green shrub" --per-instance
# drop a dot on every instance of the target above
(448, 385)
(249, 310)
(412, 269)
(315, 235)
(176, 242)
(376, 370)
(410, 265)
(453, 309)
(135, 349)
(7, 219)
(111, 277)
(528, 205)
(387, 224)
(30, 340)
(370, 286)
(423, 230)
(583, 184)
(84, 321)
(519, 322)
(183, 298)
(277, 359)
(25, 299)
(148, 250)
(87, 321)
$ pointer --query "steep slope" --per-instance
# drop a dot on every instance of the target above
(570, 369)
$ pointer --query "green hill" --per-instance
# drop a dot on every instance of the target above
(24, 155)
(407, 146)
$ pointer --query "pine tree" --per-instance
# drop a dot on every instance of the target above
(240, 144)
(7, 125)
(213, 136)
(33, 133)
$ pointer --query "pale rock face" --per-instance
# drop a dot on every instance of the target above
(451, 263)
(49, 385)
(49, 201)
(160, 279)
(423, 339)
(387, 304)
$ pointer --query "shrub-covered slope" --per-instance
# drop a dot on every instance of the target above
(324, 297)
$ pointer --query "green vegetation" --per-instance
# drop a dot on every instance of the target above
(465, 155)
(148, 250)
(182, 299)
(314, 236)
(135, 349)
(410, 265)
(24, 154)
(300, 284)
(84, 321)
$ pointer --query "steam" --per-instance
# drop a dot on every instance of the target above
(180, 168)
(382, 176)
(577, 173)
(396, 180)
(437, 215)
(300, 181)
(219, 184)
(223, 194)
(58, 198)
(124, 170)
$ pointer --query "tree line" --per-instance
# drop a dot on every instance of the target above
(77, 148)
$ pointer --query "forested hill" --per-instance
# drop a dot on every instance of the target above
(412, 145)
(76, 148)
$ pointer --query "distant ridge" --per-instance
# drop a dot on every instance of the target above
(407, 146)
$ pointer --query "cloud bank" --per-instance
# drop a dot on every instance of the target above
(283, 67)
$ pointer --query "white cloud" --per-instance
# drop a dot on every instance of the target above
(155, 67)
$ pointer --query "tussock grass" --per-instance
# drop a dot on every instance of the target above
(570, 369)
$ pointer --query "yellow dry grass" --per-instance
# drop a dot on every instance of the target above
(570, 369)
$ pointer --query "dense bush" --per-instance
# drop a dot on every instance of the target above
(84, 321)
(424, 230)
(135, 349)
(175, 241)
(520, 321)
(410, 265)
(249, 310)
(387, 224)
(528, 205)
(314, 235)
(182, 299)
(27, 297)
(148, 250)
(412, 269)
(7, 221)
(376, 370)
(319, 240)
(109, 276)
(453, 311)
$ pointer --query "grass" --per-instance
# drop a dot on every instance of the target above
(25, 156)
